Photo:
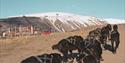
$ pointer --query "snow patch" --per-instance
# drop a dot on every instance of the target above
(115, 21)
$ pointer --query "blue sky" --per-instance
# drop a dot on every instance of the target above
(98, 8)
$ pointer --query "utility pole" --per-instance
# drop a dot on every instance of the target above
(20, 30)
(15, 30)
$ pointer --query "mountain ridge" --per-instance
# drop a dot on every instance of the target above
(56, 21)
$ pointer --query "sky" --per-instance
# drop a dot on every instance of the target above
(98, 8)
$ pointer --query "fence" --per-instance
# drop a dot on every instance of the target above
(22, 31)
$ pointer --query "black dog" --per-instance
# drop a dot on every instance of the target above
(44, 58)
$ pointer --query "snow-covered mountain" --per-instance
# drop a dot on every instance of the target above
(56, 21)
(67, 17)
